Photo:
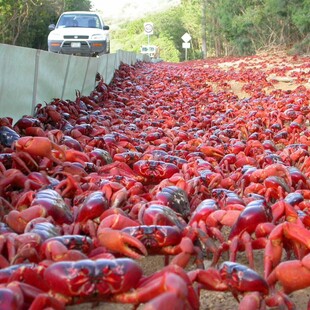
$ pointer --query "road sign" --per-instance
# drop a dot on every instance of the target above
(186, 37)
(148, 28)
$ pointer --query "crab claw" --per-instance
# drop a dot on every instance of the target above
(211, 151)
(40, 146)
(45, 301)
(164, 299)
(121, 242)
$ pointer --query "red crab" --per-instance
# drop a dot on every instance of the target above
(292, 276)
(154, 171)
(45, 203)
(40, 146)
(237, 278)
(87, 280)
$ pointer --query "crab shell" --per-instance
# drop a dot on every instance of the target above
(87, 277)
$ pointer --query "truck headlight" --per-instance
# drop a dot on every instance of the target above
(99, 36)
(54, 36)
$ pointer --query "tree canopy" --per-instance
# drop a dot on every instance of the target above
(224, 27)
(25, 22)
(217, 27)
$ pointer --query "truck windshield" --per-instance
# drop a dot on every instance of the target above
(79, 20)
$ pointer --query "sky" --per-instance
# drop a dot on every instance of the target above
(109, 7)
(116, 9)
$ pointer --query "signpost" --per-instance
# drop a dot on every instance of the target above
(186, 38)
(148, 30)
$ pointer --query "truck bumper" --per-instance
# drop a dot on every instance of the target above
(83, 48)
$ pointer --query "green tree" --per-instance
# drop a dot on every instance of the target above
(192, 14)
(14, 17)
(301, 16)
(167, 49)
(170, 25)
(168, 30)
(77, 5)
(243, 27)
(25, 22)
(217, 27)
(34, 33)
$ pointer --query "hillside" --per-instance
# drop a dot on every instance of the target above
(115, 12)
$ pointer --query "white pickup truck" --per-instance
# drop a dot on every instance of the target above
(79, 33)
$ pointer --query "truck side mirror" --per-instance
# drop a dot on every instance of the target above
(51, 27)
(105, 27)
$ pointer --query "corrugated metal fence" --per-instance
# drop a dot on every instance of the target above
(29, 76)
